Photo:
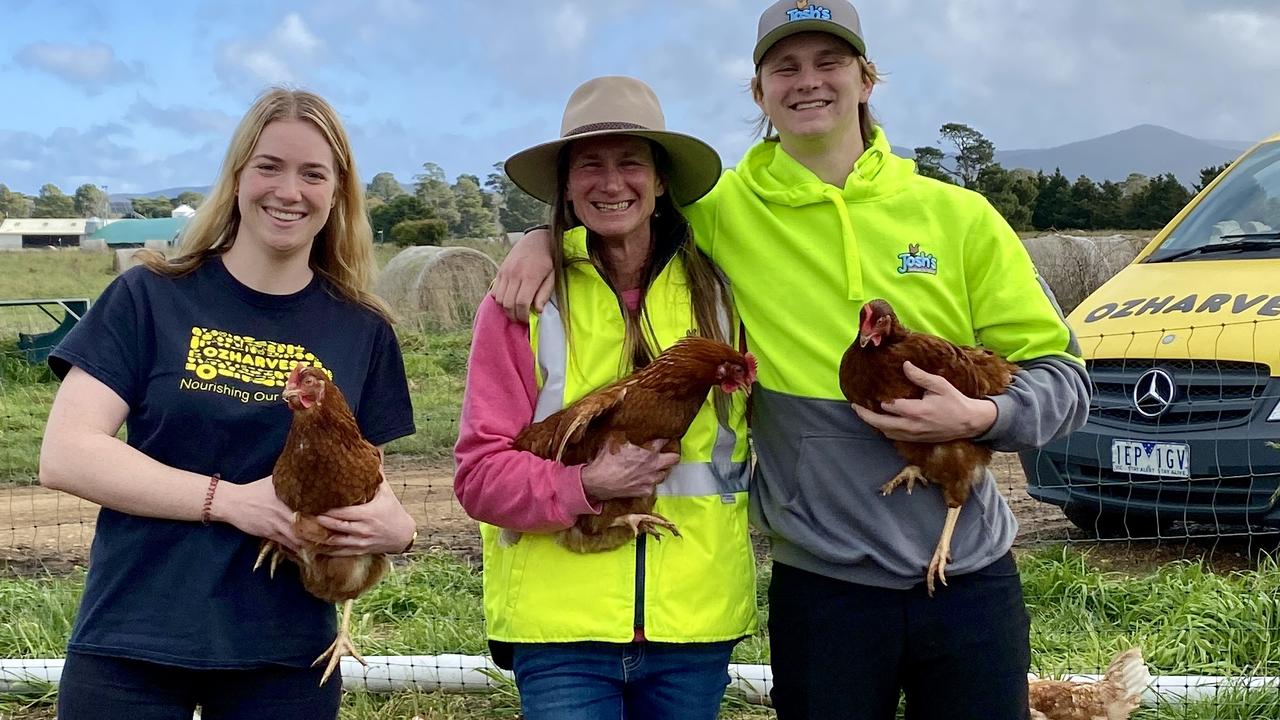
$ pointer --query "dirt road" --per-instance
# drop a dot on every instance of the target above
(41, 530)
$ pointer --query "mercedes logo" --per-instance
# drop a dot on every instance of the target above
(1153, 393)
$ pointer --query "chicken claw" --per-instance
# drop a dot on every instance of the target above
(648, 524)
(341, 645)
(938, 567)
(272, 550)
(910, 474)
(942, 554)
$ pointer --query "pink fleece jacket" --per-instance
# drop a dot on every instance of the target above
(498, 485)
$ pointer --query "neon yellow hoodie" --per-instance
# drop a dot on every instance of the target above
(945, 259)
(802, 256)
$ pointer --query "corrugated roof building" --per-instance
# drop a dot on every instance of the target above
(138, 233)
(16, 233)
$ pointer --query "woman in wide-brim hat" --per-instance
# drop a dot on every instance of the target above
(644, 630)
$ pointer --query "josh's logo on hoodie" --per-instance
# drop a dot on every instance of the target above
(914, 261)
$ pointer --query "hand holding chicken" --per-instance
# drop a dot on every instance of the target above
(657, 402)
(327, 467)
(874, 376)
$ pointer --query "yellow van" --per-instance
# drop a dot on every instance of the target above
(1183, 349)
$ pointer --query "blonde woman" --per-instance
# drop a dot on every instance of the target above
(190, 355)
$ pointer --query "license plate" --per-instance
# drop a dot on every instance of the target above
(1162, 459)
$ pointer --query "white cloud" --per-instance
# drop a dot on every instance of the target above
(90, 66)
(282, 56)
(1043, 74)
(295, 37)
(70, 157)
(183, 119)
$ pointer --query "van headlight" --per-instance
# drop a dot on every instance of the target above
(1275, 413)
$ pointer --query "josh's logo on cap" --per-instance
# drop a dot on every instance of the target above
(915, 262)
(805, 11)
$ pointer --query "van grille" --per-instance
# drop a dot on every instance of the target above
(1227, 493)
(1209, 393)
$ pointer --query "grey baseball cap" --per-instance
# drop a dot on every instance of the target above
(789, 17)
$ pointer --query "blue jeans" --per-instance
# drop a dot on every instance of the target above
(636, 681)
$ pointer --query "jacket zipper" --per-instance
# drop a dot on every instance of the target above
(639, 618)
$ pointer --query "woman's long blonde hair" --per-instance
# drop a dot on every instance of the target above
(342, 253)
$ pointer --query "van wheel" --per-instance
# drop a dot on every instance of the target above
(1106, 524)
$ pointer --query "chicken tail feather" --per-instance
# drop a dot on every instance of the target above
(1129, 675)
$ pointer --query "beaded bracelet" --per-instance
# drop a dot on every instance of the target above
(208, 498)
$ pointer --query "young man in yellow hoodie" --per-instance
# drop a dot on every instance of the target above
(814, 221)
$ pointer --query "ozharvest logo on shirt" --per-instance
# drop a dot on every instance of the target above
(214, 354)
(805, 11)
(914, 261)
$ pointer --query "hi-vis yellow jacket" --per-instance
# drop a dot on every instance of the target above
(696, 588)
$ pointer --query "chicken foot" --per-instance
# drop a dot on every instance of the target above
(272, 550)
(909, 475)
(341, 646)
(942, 554)
(642, 523)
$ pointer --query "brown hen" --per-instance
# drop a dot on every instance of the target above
(1114, 697)
(326, 464)
(656, 402)
(871, 373)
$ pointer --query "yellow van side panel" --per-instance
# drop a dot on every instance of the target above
(1205, 309)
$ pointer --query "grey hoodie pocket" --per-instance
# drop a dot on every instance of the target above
(835, 508)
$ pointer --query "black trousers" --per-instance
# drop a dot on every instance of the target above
(842, 651)
(108, 688)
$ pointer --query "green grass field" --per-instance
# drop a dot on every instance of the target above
(1187, 620)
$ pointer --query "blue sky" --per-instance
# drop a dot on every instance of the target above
(143, 96)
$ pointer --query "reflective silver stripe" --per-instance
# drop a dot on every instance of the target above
(722, 450)
(552, 359)
(699, 479)
(722, 465)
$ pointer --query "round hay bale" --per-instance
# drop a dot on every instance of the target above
(123, 259)
(1118, 251)
(1072, 266)
(436, 287)
(94, 245)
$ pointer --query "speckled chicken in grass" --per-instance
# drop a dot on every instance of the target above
(657, 402)
(1113, 697)
(326, 464)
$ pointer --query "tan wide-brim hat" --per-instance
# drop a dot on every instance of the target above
(617, 105)
(788, 17)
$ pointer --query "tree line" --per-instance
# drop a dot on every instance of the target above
(432, 210)
(1033, 200)
(435, 209)
(88, 201)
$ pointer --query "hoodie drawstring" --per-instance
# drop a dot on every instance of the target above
(852, 260)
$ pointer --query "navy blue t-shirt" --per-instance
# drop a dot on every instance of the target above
(201, 360)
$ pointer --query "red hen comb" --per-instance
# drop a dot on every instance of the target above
(751, 367)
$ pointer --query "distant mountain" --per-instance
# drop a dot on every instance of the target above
(168, 192)
(1147, 149)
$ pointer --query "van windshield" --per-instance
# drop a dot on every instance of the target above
(1239, 218)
